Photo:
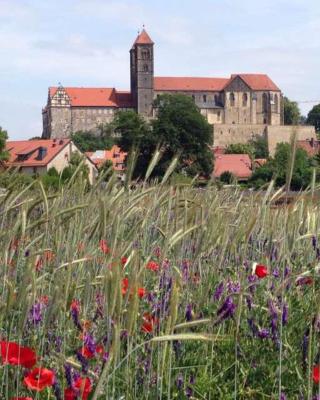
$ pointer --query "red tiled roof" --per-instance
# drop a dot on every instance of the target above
(30, 148)
(257, 81)
(143, 38)
(218, 150)
(239, 165)
(89, 97)
(115, 155)
(189, 84)
(311, 146)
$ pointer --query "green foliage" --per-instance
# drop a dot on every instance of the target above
(88, 141)
(314, 117)
(4, 155)
(227, 177)
(291, 111)
(179, 129)
(260, 146)
(76, 163)
(277, 168)
(241, 148)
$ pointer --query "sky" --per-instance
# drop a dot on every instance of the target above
(87, 42)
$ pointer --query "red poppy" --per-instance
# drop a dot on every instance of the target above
(153, 266)
(316, 374)
(69, 394)
(75, 305)
(149, 323)
(124, 261)
(104, 247)
(125, 285)
(99, 349)
(141, 292)
(261, 271)
(86, 352)
(39, 378)
(84, 386)
(12, 353)
(44, 299)
(48, 255)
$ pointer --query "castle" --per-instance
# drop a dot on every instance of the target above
(239, 107)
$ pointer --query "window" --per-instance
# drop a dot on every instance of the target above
(193, 97)
(216, 99)
(265, 102)
(204, 98)
(232, 99)
(145, 54)
(244, 100)
(145, 68)
(276, 103)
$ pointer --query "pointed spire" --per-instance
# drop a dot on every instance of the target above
(143, 38)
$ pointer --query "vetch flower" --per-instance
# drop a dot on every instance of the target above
(227, 309)
(13, 354)
(218, 292)
(39, 378)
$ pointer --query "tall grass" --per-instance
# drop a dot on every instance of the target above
(67, 246)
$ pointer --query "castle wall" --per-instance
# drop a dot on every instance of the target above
(226, 134)
(279, 134)
(60, 122)
(88, 118)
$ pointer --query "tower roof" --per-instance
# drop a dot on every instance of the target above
(143, 38)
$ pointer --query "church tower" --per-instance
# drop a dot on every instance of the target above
(142, 73)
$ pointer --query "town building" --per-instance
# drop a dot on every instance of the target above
(115, 155)
(239, 107)
(36, 157)
(239, 165)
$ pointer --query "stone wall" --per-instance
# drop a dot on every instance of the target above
(225, 134)
(280, 134)
(88, 118)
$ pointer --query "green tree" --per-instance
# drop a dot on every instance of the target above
(74, 164)
(227, 177)
(314, 117)
(181, 129)
(291, 112)
(88, 141)
(4, 154)
(260, 145)
(241, 148)
(278, 167)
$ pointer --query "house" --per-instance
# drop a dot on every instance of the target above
(239, 165)
(311, 146)
(115, 155)
(38, 156)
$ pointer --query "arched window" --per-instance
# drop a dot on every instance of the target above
(276, 103)
(232, 99)
(244, 100)
(265, 102)
(145, 68)
(145, 54)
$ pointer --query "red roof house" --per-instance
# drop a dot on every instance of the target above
(38, 156)
(311, 146)
(239, 165)
(115, 155)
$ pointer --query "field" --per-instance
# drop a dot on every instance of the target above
(155, 293)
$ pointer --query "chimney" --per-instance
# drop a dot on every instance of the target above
(61, 141)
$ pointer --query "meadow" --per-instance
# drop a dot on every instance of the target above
(158, 292)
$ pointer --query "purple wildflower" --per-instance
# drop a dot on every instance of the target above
(89, 343)
(83, 361)
(253, 327)
(75, 317)
(35, 314)
(314, 242)
(179, 381)
(218, 292)
(57, 390)
(263, 333)
(189, 392)
(283, 396)
(188, 314)
(227, 309)
(68, 374)
(233, 287)
(285, 311)
(276, 273)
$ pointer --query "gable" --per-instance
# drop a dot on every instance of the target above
(237, 84)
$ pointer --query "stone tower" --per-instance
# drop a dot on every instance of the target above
(142, 74)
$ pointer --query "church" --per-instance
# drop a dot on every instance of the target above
(238, 107)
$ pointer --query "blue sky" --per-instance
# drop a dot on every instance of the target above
(86, 43)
